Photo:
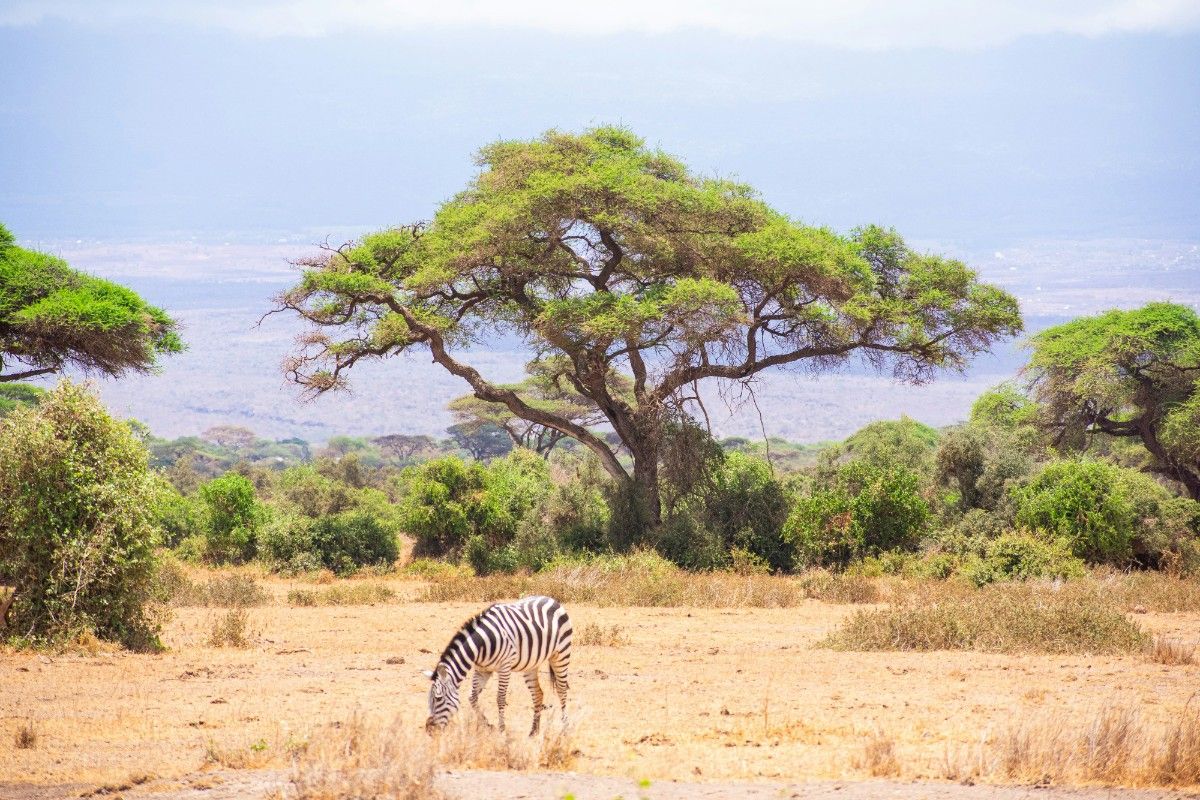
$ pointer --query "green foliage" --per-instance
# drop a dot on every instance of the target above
(180, 517)
(748, 507)
(77, 533)
(1129, 374)
(1021, 556)
(447, 501)
(1081, 502)
(19, 395)
(53, 317)
(981, 464)
(886, 444)
(862, 510)
(233, 518)
(341, 542)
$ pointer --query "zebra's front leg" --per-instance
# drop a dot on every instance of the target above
(535, 691)
(501, 695)
(479, 680)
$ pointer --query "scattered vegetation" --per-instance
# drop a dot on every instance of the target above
(1030, 617)
(1172, 652)
(231, 629)
(592, 633)
(346, 594)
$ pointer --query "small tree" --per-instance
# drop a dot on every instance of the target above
(19, 395)
(233, 518)
(482, 438)
(401, 446)
(53, 317)
(1133, 374)
(77, 531)
(611, 258)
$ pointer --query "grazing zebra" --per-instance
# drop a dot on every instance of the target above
(504, 638)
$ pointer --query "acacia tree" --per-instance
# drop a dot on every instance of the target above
(612, 257)
(1126, 374)
(52, 317)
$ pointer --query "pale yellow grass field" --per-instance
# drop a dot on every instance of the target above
(694, 693)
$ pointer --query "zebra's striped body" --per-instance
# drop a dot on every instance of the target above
(503, 639)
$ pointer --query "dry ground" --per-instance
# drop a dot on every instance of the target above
(692, 694)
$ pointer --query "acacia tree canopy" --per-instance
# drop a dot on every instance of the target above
(611, 257)
(1127, 374)
(52, 317)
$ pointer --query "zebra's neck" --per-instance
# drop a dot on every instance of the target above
(462, 652)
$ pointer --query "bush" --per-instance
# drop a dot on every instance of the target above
(1085, 503)
(748, 508)
(447, 502)
(339, 542)
(485, 558)
(1021, 556)
(862, 511)
(980, 464)
(687, 541)
(233, 517)
(884, 445)
(1165, 526)
(179, 517)
(77, 533)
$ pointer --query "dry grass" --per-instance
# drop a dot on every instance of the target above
(651, 582)
(26, 737)
(1153, 591)
(878, 757)
(593, 634)
(364, 758)
(353, 594)
(224, 590)
(231, 629)
(1171, 652)
(1115, 748)
(1003, 618)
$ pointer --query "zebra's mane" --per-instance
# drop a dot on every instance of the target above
(462, 629)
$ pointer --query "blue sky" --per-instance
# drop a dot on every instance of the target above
(975, 124)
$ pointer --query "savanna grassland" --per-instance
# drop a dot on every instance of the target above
(295, 686)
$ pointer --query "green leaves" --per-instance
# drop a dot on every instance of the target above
(52, 316)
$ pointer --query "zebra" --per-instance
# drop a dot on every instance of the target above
(503, 638)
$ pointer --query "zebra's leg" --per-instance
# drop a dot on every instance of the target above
(502, 694)
(535, 691)
(558, 676)
(478, 680)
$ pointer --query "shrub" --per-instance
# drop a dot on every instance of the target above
(230, 629)
(342, 543)
(234, 516)
(1085, 503)
(180, 517)
(1021, 556)
(77, 532)
(747, 508)
(884, 445)
(485, 558)
(447, 502)
(863, 510)
(352, 594)
(980, 464)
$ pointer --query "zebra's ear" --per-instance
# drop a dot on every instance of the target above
(442, 672)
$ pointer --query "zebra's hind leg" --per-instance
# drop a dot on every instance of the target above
(535, 691)
(558, 676)
(501, 695)
(479, 680)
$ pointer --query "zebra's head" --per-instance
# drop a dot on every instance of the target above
(443, 698)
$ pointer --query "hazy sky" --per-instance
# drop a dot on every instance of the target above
(980, 123)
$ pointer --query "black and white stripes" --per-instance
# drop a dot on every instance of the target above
(504, 638)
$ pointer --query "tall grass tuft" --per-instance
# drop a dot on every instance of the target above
(1002, 618)
(353, 594)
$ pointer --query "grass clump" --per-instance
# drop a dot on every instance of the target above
(224, 590)
(1172, 652)
(593, 634)
(365, 758)
(355, 594)
(26, 736)
(231, 629)
(1115, 747)
(1001, 618)
(878, 756)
